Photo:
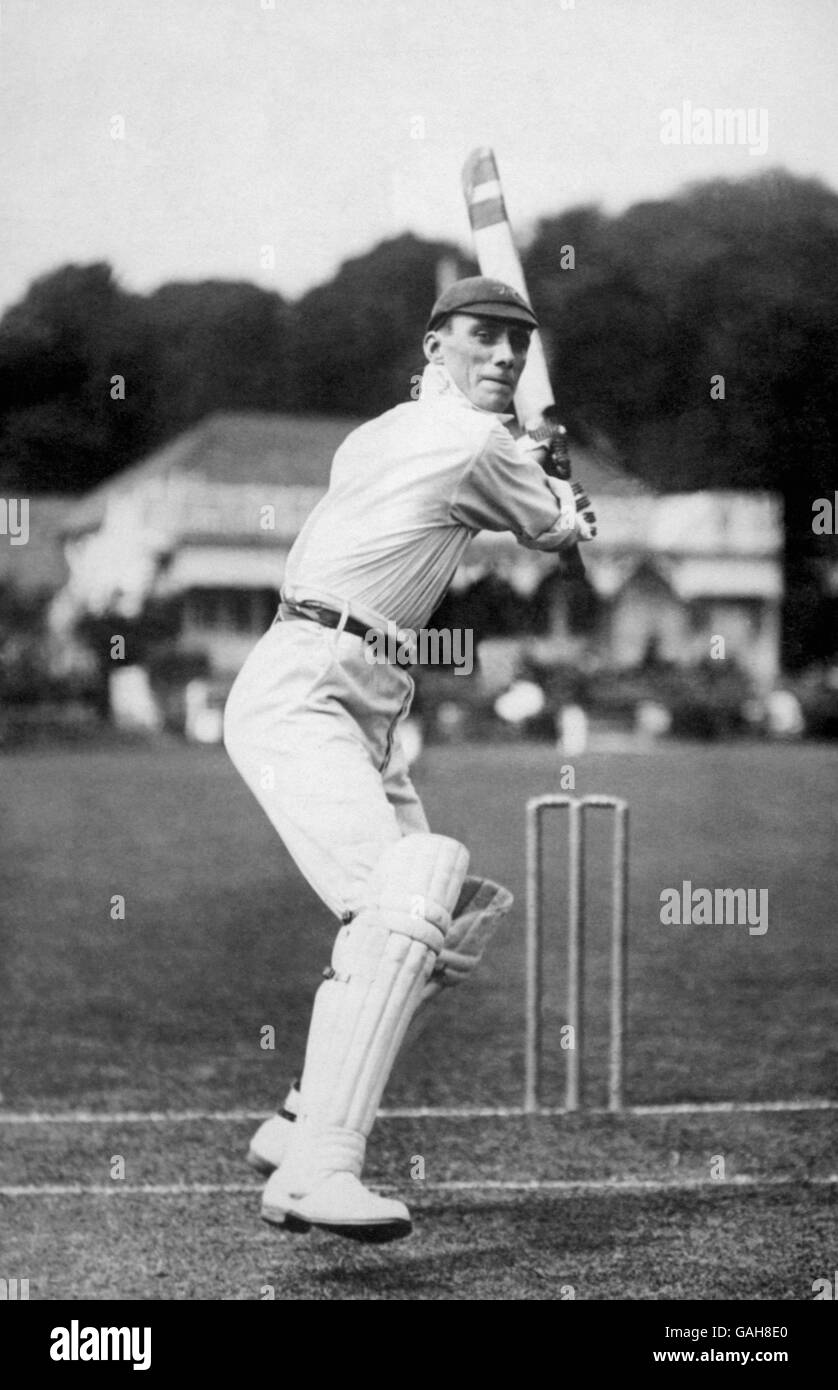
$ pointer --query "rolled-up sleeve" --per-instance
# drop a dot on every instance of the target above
(500, 491)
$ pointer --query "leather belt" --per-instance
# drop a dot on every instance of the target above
(326, 617)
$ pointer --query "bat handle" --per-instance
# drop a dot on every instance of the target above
(557, 465)
(571, 564)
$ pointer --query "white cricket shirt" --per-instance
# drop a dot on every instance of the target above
(407, 493)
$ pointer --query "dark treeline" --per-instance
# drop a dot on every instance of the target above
(644, 310)
(347, 348)
(737, 280)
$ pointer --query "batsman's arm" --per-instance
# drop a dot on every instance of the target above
(547, 446)
(504, 489)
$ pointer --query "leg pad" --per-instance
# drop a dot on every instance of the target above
(382, 961)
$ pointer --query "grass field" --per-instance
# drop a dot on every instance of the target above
(163, 1012)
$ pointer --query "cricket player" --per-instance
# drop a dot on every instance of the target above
(312, 724)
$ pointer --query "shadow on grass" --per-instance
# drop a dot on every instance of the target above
(681, 1245)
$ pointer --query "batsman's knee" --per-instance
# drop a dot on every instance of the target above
(416, 884)
(409, 899)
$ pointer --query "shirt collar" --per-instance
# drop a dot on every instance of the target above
(437, 381)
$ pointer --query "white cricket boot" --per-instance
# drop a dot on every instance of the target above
(380, 965)
(340, 1204)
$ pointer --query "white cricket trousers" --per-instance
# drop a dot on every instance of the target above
(312, 727)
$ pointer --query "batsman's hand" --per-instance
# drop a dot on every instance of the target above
(547, 446)
(576, 515)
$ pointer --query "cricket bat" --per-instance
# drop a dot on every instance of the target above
(497, 256)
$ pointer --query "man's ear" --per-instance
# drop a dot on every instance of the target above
(432, 345)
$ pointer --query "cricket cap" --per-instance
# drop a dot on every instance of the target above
(480, 295)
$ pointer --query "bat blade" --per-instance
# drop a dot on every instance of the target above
(497, 256)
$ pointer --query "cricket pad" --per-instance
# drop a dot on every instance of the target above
(381, 962)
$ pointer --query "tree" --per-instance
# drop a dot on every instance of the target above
(359, 337)
(218, 346)
(181, 353)
(731, 280)
(60, 428)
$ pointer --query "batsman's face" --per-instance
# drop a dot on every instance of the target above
(484, 356)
